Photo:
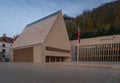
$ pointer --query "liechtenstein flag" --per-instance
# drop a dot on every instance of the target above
(78, 35)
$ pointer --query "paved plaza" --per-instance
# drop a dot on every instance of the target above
(56, 73)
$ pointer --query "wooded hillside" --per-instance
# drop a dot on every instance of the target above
(101, 21)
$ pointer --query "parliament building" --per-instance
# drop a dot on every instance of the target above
(45, 40)
(106, 48)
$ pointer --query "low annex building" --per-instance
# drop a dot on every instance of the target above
(45, 40)
(105, 48)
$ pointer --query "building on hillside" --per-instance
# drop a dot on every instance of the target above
(106, 48)
(5, 45)
(45, 40)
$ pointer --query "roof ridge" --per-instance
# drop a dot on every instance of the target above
(44, 18)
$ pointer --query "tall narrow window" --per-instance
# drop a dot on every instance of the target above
(3, 50)
(3, 45)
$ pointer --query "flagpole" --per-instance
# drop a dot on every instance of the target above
(78, 52)
(78, 42)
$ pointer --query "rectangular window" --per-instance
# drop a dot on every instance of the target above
(57, 49)
(3, 45)
(3, 50)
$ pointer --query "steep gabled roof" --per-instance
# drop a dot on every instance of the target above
(42, 19)
(4, 38)
(36, 32)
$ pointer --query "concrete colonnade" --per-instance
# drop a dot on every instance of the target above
(102, 52)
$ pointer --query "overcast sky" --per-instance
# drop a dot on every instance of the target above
(16, 14)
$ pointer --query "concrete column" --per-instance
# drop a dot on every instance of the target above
(55, 59)
(49, 59)
(115, 53)
(60, 59)
(95, 53)
(88, 54)
(108, 52)
(118, 52)
(104, 53)
(79, 54)
(85, 58)
(73, 53)
(11, 55)
(92, 53)
(101, 53)
(83, 54)
(98, 53)
(112, 52)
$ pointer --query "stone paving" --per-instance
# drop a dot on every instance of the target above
(56, 73)
(110, 65)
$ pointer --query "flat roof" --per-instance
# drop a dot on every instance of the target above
(97, 40)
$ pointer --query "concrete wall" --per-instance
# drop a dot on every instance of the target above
(105, 41)
(11, 54)
(58, 38)
(97, 40)
(38, 56)
(50, 32)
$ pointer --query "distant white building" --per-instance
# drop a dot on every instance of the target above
(5, 45)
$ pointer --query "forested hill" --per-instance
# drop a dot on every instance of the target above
(101, 21)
